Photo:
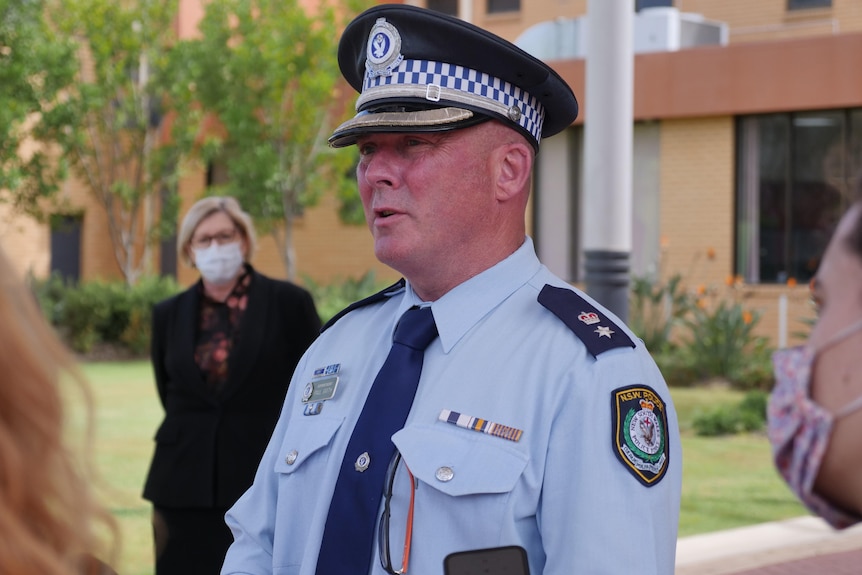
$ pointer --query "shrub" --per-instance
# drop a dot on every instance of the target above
(748, 415)
(676, 367)
(655, 308)
(83, 313)
(102, 312)
(147, 292)
(720, 339)
(50, 294)
(334, 297)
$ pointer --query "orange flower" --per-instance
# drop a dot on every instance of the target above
(664, 242)
(710, 253)
(701, 289)
(730, 280)
(747, 318)
(791, 282)
(701, 303)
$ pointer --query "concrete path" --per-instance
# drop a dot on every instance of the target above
(803, 545)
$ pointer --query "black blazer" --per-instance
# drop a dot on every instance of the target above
(208, 448)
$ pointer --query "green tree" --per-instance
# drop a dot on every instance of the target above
(264, 73)
(109, 124)
(36, 64)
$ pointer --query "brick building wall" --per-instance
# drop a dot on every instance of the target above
(697, 223)
(26, 244)
(696, 169)
(748, 21)
(697, 198)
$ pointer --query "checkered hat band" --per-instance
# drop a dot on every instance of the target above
(442, 81)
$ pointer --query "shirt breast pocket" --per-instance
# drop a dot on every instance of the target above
(303, 441)
(459, 462)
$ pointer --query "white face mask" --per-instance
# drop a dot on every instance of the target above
(219, 264)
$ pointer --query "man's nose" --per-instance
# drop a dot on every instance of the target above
(381, 168)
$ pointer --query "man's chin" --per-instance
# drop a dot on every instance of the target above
(394, 256)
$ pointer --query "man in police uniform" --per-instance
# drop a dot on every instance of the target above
(540, 420)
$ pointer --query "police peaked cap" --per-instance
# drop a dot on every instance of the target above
(418, 70)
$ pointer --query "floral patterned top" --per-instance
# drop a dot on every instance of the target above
(218, 332)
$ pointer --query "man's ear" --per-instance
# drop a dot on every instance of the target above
(514, 169)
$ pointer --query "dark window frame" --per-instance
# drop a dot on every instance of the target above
(644, 4)
(796, 174)
(449, 7)
(808, 4)
(65, 258)
(503, 6)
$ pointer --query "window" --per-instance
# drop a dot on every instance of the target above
(66, 246)
(167, 243)
(803, 4)
(641, 4)
(497, 6)
(795, 177)
(449, 7)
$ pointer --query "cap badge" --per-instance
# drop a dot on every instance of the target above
(383, 52)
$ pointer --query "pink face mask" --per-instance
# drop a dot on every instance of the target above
(799, 428)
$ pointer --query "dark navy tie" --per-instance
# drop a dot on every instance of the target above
(348, 537)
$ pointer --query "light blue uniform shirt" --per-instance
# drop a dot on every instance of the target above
(560, 491)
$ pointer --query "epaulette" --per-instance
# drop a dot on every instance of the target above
(591, 326)
(374, 298)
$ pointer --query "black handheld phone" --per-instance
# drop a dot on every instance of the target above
(511, 560)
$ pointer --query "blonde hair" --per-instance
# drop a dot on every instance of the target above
(204, 208)
(51, 523)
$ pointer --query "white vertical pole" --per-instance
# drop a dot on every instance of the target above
(606, 219)
(465, 10)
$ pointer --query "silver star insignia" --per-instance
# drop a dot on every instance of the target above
(604, 331)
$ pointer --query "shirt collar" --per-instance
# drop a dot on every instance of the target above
(464, 305)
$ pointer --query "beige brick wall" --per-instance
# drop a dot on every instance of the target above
(26, 243)
(748, 20)
(753, 21)
(697, 198)
(697, 222)
(533, 12)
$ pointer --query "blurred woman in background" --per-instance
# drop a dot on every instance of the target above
(223, 353)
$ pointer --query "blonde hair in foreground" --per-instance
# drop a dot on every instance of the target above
(50, 521)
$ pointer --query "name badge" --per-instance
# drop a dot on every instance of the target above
(320, 389)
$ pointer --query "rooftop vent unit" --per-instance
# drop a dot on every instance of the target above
(660, 29)
(665, 29)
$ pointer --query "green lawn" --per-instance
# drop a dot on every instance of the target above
(727, 482)
(127, 414)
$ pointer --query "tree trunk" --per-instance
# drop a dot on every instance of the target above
(288, 253)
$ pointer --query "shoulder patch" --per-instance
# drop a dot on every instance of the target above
(639, 434)
(591, 326)
(374, 298)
